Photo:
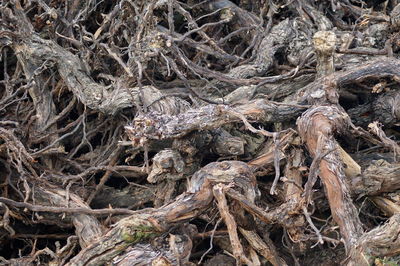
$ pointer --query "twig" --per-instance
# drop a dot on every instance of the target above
(248, 125)
(267, 250)
(276, 162)
(238, 251)
(308, 218)
(314, 168)
(41, 208)
(106, 176)
(211, 241)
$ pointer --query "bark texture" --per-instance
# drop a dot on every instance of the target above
(217, 132)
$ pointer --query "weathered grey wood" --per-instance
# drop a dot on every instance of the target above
(149, 223)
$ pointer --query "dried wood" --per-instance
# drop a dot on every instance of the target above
(164, 132)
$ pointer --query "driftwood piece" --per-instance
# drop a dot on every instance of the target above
(384, 67)
(381, 241)
(380, 176)
(87, 227)
(387, 206)
(351, 167)
(149, 223)
(172, 250)
(265, 158)
(159, 126)
(225, 144)
(267, 250)
(376, 129)
(92, 94)
(294, 193)
(230, 222)
(276, 40)
(384, 109)
(167, 164)
(317, 127)
(324, 43)
(35, 50)
(281, 215)
(131, 197)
